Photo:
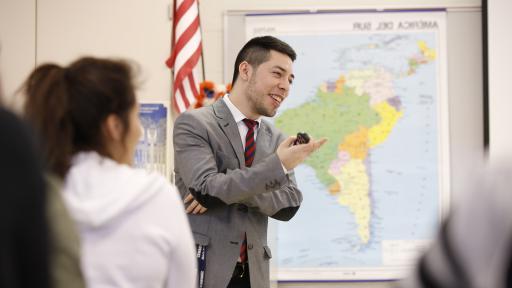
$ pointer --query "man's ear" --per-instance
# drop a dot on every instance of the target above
(245, 70)
(113, 128)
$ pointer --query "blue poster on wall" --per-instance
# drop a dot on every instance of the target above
(151, 151)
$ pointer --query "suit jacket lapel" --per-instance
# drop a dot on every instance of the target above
(262, 142)
(228, 125)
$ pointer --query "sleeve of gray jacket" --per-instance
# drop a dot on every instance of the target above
(198, 169)
(281, 204)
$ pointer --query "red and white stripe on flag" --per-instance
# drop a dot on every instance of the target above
(185, 54)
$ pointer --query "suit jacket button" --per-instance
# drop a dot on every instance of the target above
(249, 246)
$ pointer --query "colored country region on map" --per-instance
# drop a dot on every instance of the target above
(334, 86)
(429, 53)
(379, 87)
(358, 78)
(355, 188)
(389, 116)
(356, 144)
(425, 56)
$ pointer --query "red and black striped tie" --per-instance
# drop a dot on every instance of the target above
(250, 150)
(250, 145)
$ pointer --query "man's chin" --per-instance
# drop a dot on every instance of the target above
(267, 112)
(270, 113)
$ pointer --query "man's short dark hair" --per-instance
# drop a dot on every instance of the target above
(257, 51)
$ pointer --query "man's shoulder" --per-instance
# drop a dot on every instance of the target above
(267, 124)
(271, 128)
(199, 114)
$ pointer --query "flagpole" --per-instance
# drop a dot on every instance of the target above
(174, 109)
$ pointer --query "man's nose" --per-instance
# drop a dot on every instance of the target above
(284, 85)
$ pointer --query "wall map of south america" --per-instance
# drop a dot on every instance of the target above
(372, 192)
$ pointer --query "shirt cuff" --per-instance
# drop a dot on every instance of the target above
(284, 169)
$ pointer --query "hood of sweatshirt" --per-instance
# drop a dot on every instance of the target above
(98, 190)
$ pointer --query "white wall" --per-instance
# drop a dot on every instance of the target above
(33, 32)
(500, 63)
(132, 29)
(17, 42)
(465, 92)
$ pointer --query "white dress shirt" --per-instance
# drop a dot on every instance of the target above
(239, 117)
(242, 128)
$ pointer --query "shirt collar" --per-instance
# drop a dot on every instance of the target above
(237, 114)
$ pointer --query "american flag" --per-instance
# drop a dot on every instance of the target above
(185, 54)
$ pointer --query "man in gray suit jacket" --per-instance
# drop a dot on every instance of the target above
(229, 198)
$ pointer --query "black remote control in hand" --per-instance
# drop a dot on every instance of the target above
(302, 138)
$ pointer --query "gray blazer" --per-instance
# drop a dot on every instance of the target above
(209, 163)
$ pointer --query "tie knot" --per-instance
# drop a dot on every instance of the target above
(250, 123)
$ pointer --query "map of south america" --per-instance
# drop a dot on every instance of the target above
(375, 85)
(366, 102)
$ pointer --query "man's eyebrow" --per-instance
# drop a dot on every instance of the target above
(284, 70)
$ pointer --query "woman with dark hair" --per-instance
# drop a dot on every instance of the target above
(132, 224)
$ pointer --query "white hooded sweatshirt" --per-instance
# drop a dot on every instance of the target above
(133, 228)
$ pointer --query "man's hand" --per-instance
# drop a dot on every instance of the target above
(194, 207)
(292, 155)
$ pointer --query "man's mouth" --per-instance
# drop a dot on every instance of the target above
(277, 98)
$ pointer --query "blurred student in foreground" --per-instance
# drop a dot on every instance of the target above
(39, 245)
(474, 246)
(24, 229)
(132, 224)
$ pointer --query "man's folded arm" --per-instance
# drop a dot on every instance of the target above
(281, 204)
(200, 174)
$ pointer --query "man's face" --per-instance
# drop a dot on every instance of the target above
(269, 84)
